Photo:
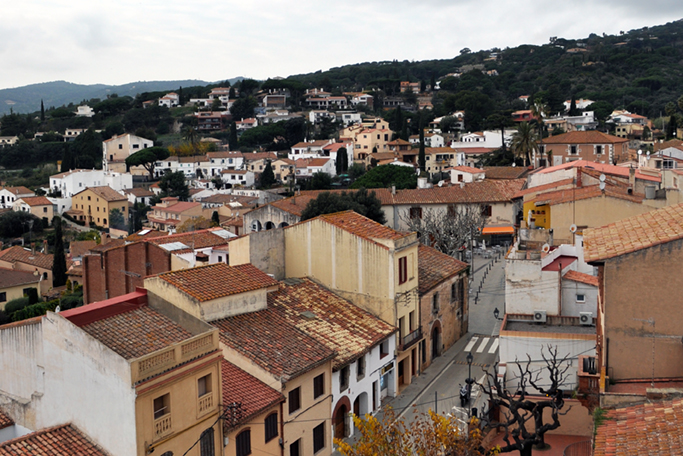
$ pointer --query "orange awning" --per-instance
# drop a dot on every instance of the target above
(498, 230)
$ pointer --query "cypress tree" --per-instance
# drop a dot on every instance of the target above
(215, 220)
(267, 177)
(232, 139)
(59, 259)
(42, 111)
(422, 161)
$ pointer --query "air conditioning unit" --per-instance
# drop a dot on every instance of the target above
(540, 316)
(586, 318)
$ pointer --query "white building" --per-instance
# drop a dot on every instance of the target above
(8, 140)
(84, 111)
(316, 116)
(430, 139)
(187, 165)
(72, 133)
(347, 118)
(312, 149)
(466, 174)
(8, 195)
(170, 100)
(307, 167)
(219, 161)
(237, 177)
(488, 139)
(71, 182)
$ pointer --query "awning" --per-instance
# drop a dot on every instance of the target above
(498, 230)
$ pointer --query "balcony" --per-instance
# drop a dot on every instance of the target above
(162, 426)
(411, 339)
(205, 404)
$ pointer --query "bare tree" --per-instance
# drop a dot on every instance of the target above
(520, 409)
(448, 231)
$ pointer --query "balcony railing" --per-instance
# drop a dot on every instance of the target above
(205, 403)
(162, 426)
(411, 338)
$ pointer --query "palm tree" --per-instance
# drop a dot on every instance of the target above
(191, 135)
(539, 110)
(524, 142)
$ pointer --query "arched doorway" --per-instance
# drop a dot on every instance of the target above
(270, 225)
(340, 418)
(360, 405)
(283, 224)
(256, 225)
(436, 340)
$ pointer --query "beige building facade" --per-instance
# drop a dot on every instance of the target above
(94, 205)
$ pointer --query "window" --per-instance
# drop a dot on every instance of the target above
(318, 386)
(598, 150)
(415, 212)
(271, 427)
(294, 448)
(573, 150)
(402, 270)
(44, 209)
(136, 146)
(204, 385)
(343, 379)
(243, 443)
(3, 296)
(162, 406)
(120, 146)
(294, 400)
(319, 437)
(206, 444)
(435, 303)
(580, 298)
(383, 349)
(454, 291)
(486, 210)
(360, 367)
(411, 321)
(88, 198)
(220, 259)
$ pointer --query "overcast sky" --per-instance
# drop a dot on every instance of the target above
(116, 42)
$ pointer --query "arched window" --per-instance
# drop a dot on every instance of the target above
(206, 443)
(243, 443)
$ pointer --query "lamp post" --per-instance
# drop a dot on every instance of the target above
(470, 358)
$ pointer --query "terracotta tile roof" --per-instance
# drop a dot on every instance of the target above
(220, 198)
(139, 192)
(433, 267)
(634, 233)
(105, 192)
(600, 167)
(311, 162)
(362, 226)
(296, 204)
(251, 156)
(584, 137)
(318, 143)
(486, 191)
(218, 280)
(270, 341)
(148, 234)
(5, 421)
(334, 147)
(475, 150)
(15, 277)
(36, 201)
(581, 193)
(178, 207)
(224, 154)
(566, 183)
(67, 173)
(19, 254)
(254, 395)
(21, 190)
(467, 169)
(111, 244)
(200, 239)
(505, 172)
(677, 143)
(654, 429)
(59, 440)
(577, 276)
(333, 321)
(137, 333)
(80, 248)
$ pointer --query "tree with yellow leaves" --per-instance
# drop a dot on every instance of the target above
(429, 434)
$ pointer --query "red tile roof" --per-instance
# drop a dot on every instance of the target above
(433, 267)
(18, 254)
(584, 137)
(59, 440)
(218, 280)
(600, 167)
(106, 193)
(200, 239)
(581, 193)
(137, 333)
(240, 387)
(333, 321)
(15, 277)
(567, 183)
(178, 207)
(269, 340)
(36, 201)
(5, 421)
(654, 429)
(362, 226)
(21, 190)
(634, 233)
(506, 172)
(577, 276)
(80, 248)
(467, 169)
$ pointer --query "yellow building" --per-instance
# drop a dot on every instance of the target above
(171, 213)
(94, 205)
(369, 264)
(15, 284)
(39, 206)
(31, 260)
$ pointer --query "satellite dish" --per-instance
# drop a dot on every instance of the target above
(602, 185)
(648, 154)
(572, 228)
(545, 248)
(640, 152)
(440, 184)
(514, 164)
(602, 178)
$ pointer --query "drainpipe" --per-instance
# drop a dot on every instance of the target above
(559, 293)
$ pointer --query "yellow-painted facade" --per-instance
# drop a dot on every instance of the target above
(15, 292)
(96, 209)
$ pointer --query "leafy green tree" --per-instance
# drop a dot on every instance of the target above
(173, 184)
(247, 87)
(87, 150)
(14, 224)
(136, 215)
(342, 163)
(477, 106)
(448, 124)
(243, 108)
(602, 109)
(573, 111)
(362, 202)
(59, 258)
(116, 219)
(147, 158)
(356, 170)
(267, 176)
(524, 142)
(320, 181)
(386, 175)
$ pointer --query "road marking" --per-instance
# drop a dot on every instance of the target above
(471, 344)
(483, 344)
(494, 346)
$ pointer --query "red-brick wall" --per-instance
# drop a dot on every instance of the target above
(118, 271)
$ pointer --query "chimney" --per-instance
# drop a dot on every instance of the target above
(632, 177)
(33, 248)
(393, 189)
(45, 246)
(104, 238)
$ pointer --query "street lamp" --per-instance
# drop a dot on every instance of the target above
(470, 358)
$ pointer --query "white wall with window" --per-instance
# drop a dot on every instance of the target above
(578, 297)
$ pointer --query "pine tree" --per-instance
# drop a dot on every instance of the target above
(59, 259)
